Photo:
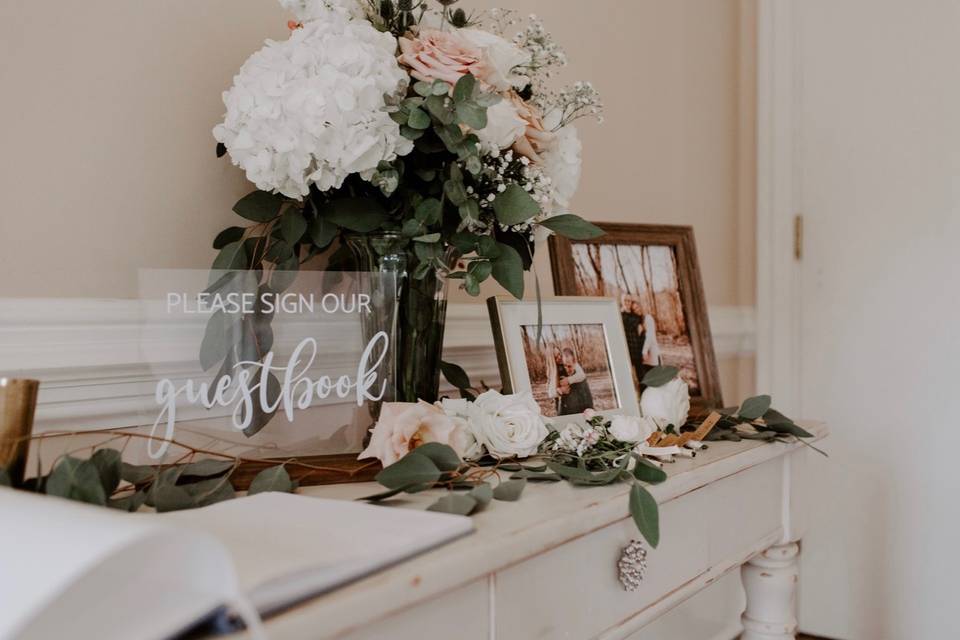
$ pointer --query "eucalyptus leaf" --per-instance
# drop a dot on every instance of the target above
(410, 133)
(442, 455)
(293, 225)
(525, 474)
(212, 491)
(218, 338)
(514, 205)
(206, 468)
(753, 408)
(482, 493)
(576, 475)
(271, 479)
(170, 497)
(228, 235)
(130, 503)
(107, 462)
(572, 226)
(508, 270)
(259, 206)
(456, 503)
(428, 238)
(76, 479)
(413, 468)
(383, 495)
(423, 88)
(480, 269)
(429, 211)
(418, 119)
(455, 375)
(472, 115)
(648, 472)
(645, 513)
(510, 490)
(136, 474)
(362, 215)
(463, 90)
(471, 285)
(659, 376)
(260, 416)
(232, 256)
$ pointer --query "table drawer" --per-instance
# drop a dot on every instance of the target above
(573, 591)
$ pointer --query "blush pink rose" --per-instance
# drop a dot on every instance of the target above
(404, 426)
(441, 55)
(536, 138)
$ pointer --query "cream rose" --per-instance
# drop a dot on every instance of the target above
(632, 428)
(441, 55)
(508, 425)
(669, 404)
(536, 138)
(404, 426)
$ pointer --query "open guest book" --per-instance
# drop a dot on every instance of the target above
(78, 571)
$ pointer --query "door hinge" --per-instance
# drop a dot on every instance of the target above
(798, 236)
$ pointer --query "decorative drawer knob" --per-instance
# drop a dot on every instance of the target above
(632, 565)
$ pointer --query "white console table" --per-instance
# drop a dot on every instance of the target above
(546, 566)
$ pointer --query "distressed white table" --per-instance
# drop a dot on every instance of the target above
(546, 566)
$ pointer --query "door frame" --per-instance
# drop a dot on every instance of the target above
(779, 353)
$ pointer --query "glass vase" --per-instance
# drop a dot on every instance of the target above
(420, 315)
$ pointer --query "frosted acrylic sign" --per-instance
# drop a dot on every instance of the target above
(264, 366)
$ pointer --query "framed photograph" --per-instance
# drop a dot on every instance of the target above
(652, 272)
(580, 361)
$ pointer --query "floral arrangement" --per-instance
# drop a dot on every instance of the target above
(403, 117)
(465, 445)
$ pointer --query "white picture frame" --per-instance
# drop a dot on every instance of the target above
(590, 318)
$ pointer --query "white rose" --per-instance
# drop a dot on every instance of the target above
(632, 428)
(508, 425)
(504, 127)
(669, 403)
(464, 439)
(502, 58)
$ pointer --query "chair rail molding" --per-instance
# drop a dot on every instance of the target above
(778, 284)
(88, 355)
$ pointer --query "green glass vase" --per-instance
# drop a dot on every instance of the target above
(420, 314)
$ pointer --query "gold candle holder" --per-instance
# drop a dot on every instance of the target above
(18, 400)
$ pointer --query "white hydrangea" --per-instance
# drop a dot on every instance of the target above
(312, 109)
(562, 163)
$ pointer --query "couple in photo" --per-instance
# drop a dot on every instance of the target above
(641, 331)
(567, 382)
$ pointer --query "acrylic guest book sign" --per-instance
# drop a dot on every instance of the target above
(259, 367)
(152, 576)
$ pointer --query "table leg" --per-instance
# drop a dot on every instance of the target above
(770, 582)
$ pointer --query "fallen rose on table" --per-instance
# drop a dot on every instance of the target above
(468, 445)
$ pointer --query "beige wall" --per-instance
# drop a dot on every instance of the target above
(108, 161)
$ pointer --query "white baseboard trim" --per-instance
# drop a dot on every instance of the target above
(86, 354)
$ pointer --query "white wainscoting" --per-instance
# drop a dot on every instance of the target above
(87, 353)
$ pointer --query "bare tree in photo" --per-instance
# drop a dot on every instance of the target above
(648, 276)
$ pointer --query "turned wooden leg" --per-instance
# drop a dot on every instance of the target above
(770, 582)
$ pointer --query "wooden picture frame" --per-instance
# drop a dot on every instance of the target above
(689, 329)
(589, 329)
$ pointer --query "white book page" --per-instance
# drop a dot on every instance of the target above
(73, 570)
(287, 547)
